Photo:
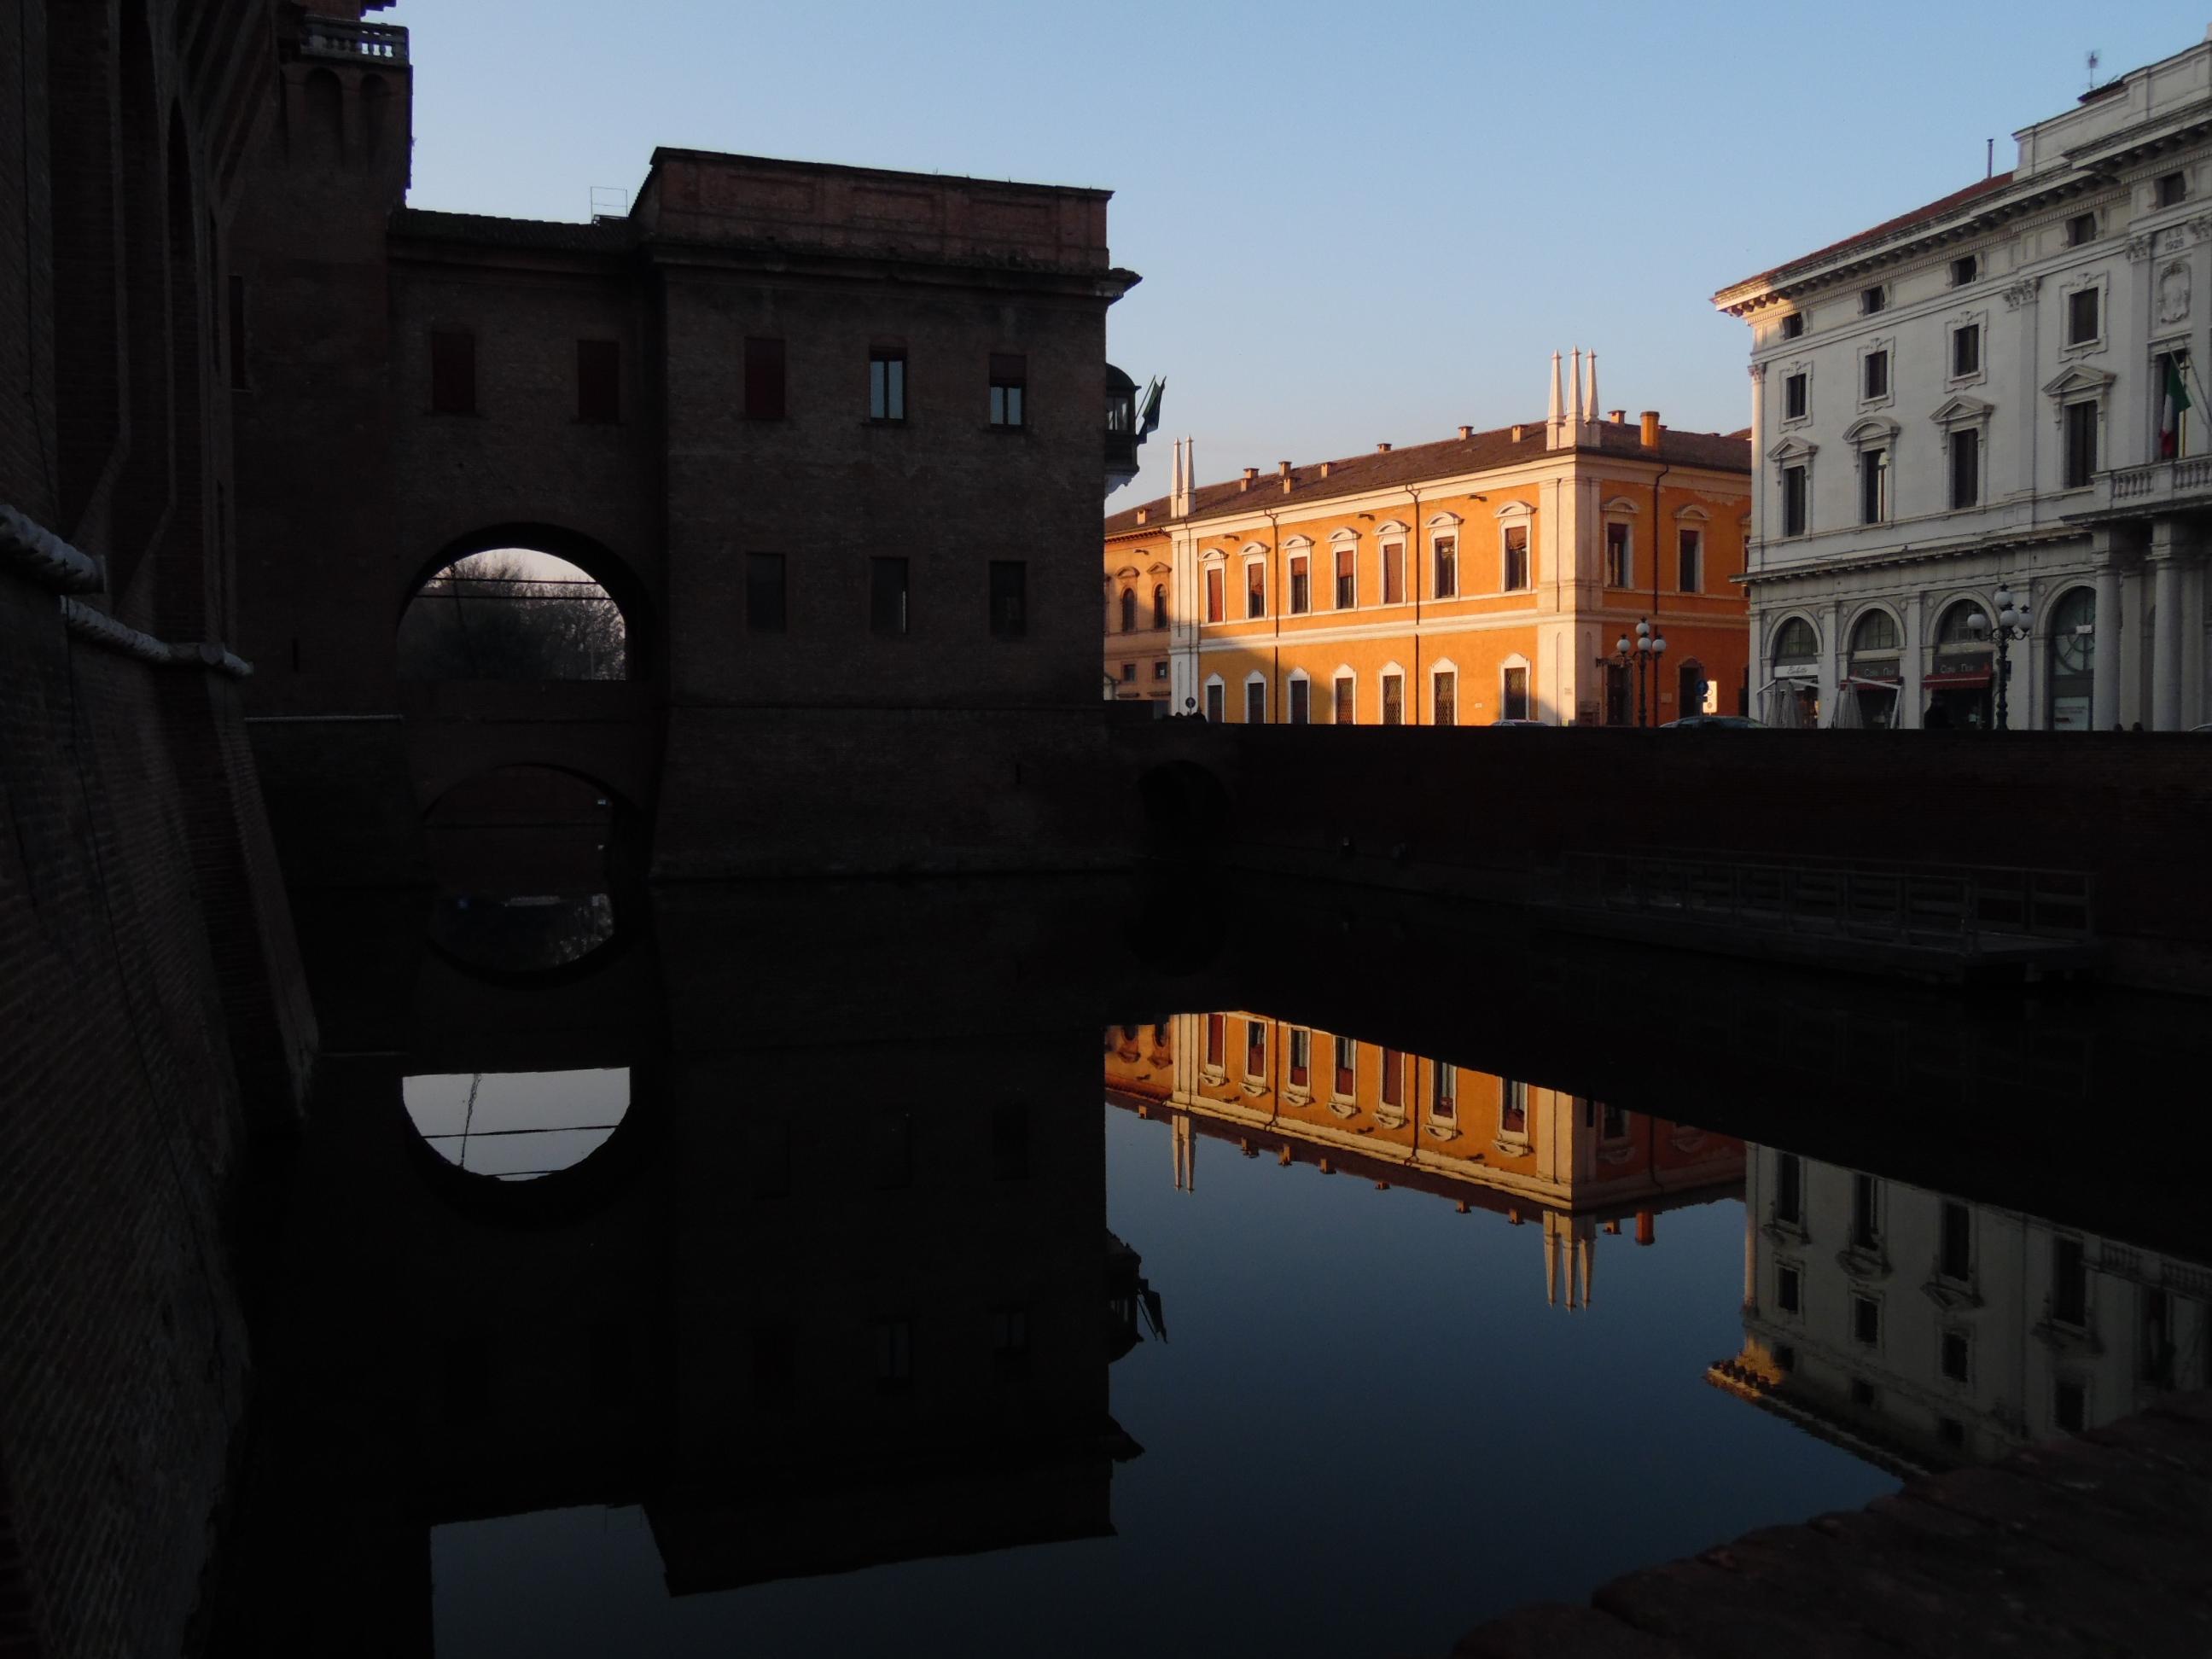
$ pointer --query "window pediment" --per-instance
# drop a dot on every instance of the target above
(1792, 451)
(1347, 534)
(1693, 513)
(1873, 432)
(1126, 571)
(1298, 543)
(1159, 567)
(1392, 528)
(1444, 521)
(1253, 549)
(2080, 381)
(1620, 504)
(1515, 510)
(1961, 410)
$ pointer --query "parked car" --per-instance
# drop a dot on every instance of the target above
(1731, 722)
(1519, 722)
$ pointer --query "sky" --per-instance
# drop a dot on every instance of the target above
(1355, 223)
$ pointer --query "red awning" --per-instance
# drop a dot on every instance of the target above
(1965, 677)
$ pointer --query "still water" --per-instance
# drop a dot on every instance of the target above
(722, 1297)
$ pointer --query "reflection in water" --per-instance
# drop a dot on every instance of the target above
(526, 934)
(1923, 1331)
(1299, 1093)
(517, 1125)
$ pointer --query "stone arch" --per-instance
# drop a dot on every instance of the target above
(620, 583)
(322, 119)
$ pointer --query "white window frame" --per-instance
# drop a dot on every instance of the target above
(1345, 673)
(1408, 549)
(1259, 678)
(1214, 683)
(2070, 347)
(1791, 452)
(1515, 515)
(1790, 423)
(1250, 554)
(1695, 518)
(1886, 343)
(1446, 665)
(1512, 661)
(1382, 677)
(1297, 677)
(1299, 547)
(1338, 541)
(1965, 319)
(1440, 526)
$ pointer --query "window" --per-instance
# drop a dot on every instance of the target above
(1513, 695)
(1009, 598)
(1217, 699)
(1394, 700)
(1612, 1121)
(1690, 567)
(1951, 1431)
(1128, 611)
(1301, 1060)
(2172, 189)
(1255, 702)
(1966, 467)
(2082, 316)
(764, 592)
(1874, 299)
(1444, 697)
(1301, 585)
(1447, 562)
(1393, 573)
(1793, 501)
(1955, 1258)
(1789, 1190)
(1620, 564)
(1513, 1108)
(1301, 701)
(1010, 376)
(2081, 449)
(1965, 351)
(1346, 694)
(599, 381)
(1160, 605)
(1796, 397)
(763, 380)
(1788, 1290)
(1793, 325)
(1514, 575)
(1160, 670)
(1967, 268)
(2154, 1351)
(887, 596)
(1255, 1048)
(1866, 1322)
(452, 372)
(1444, 1090)
(894, 1356)
(1347, 580)
(1129, 672)
(1957, 1355)
(1785, 1356)
(236, 333)
(2169, 378)
(2069, 1406)
(1347, 1067)
(1216, 582)
(2080, 229)
(1863, 1394)
(1255, 590)
(2069, 1282)
(1393, 1078)
(887, 383)
(1876, 375)
(1874, 485)
(1217, 1038)
(1866, 1212)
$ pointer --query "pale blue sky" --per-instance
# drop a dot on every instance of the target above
(1355, 222)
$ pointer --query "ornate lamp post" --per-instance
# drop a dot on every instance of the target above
(2013, 624)
(1648, 646)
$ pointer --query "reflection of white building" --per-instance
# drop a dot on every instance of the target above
(1975, 396)
(1924, 1330)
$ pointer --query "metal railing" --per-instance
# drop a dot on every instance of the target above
(337, 37)
(1935, 906)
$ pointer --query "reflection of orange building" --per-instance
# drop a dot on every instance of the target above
(1487, 577)
(1400, 1120)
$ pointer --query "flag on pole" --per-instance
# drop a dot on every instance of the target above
(2173, 398)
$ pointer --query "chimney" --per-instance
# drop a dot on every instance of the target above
(1289, 483)
(1381, 449)
(1651, 428)
(1324, 469)
(1465, 433)
(1250, 473)
(1144, 513)
(1519, 432)
(1618, 416)
(1282, 469)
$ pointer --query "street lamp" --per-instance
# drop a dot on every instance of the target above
(1648, 646)
(2012, 624)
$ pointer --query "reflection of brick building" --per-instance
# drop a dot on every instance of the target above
(1402, 1120)
(1482, 578)
(1922, 1330)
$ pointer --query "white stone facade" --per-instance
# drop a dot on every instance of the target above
(1970, 399)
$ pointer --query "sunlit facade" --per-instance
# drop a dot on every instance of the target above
(1922, 1330)
(1576, 1167)
(1489, 577)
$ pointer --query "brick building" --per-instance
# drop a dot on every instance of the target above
(1487, 577)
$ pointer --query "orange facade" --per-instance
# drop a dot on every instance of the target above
(1485, 578)
(1139, 582)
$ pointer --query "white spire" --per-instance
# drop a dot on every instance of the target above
(1596, 408)
(1551, 420)
(1576, 410)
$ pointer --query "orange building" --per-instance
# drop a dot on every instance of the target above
(1492, 576)
(1138, 577)
(1578, 1167)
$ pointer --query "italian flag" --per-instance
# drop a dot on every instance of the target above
(2174, 398)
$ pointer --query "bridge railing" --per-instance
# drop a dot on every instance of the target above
(1961, 908)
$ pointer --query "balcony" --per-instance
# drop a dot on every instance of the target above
(352, 42)
(2162, 487)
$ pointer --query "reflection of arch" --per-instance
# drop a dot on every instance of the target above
(559, 1197)
(641, 629)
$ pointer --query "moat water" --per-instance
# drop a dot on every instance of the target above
(953, 1274)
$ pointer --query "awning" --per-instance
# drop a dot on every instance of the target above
(1967, 676)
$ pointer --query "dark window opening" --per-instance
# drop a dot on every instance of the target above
(1793, 325)
(1301, 585)
(1690, 576)
(894, 1344)
(1965, 468)
(1128, 611)
(2069, 1406)
(1394, 700)
(1793, 501)
(1789, 1190)
(1255, 702)
(2080, 444)
(1955, 1260)
(1955, 1353)
(1515, 571)
(1877, 374)
(1620, 559)
(764, 379)
(599, 381)
(886, 385)
(1966, 350)
(452, 372)
(1444, 698)
(1873, 486)
(1255, 590)
(1347, 580)
(1301, 702)
(1514, 695)
(1010, 374)
(1965, 269)
(1255, 1048)
(2172, 189)
(1797, 397)
(1010, 589)
(2084, 315)
(2069, 1282)
(1866, 1321)
(1345, 688)
(1873, 300)
(1446, 557)
(1788, 1290)
(887, 596)
(2080, 229)
(1866, 1212)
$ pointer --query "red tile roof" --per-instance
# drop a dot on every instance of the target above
(1482, 452)
(1941, 208)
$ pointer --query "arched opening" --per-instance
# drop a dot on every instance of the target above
(1869, 695)
(1160, 605)
(529, 869)
(1128, 611)
(1958, 682)
(517, 1125)
(2073, 631)
(1791, 696)
(523, 602)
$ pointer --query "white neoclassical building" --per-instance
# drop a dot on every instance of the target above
(2003, 390)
